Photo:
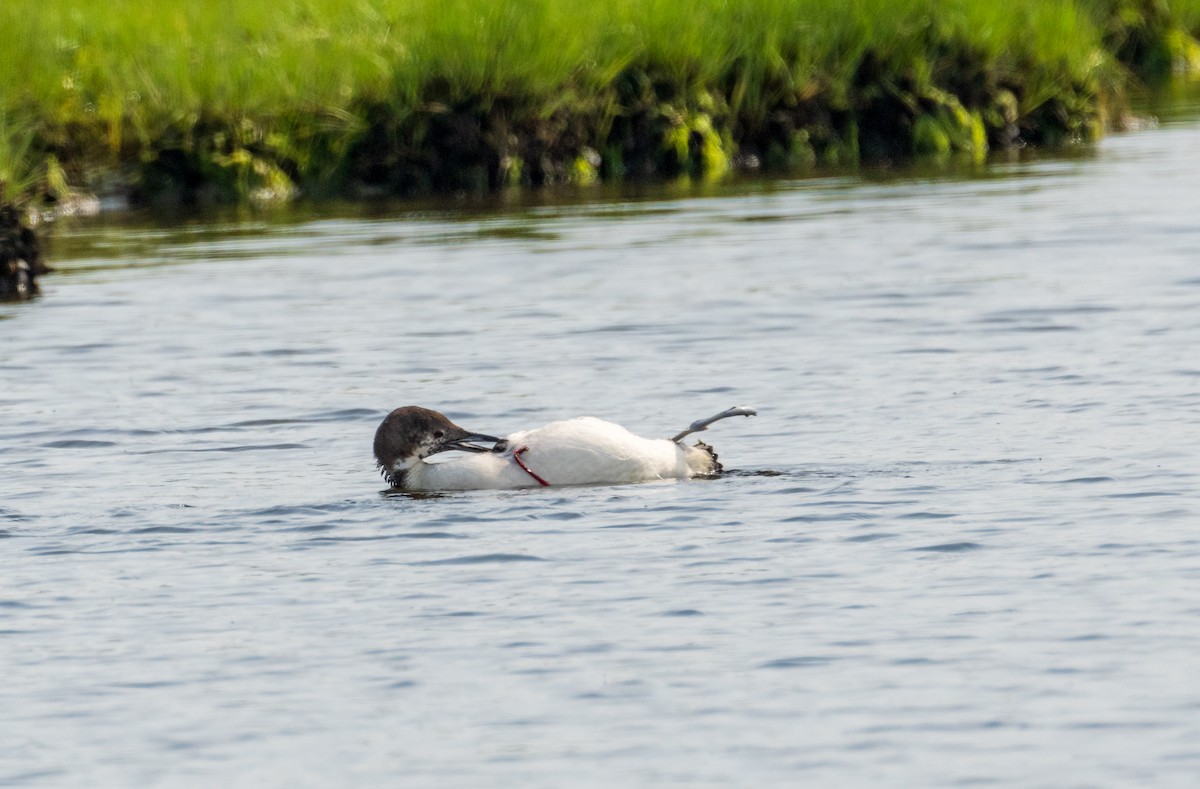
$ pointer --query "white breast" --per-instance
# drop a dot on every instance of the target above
(579, 451)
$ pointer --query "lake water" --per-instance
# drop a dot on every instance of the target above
(960, 545)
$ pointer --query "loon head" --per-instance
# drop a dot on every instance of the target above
(410, 434)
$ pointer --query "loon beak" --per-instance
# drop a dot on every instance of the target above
(462, 443)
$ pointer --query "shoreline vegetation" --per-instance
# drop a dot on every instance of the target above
(227, 101)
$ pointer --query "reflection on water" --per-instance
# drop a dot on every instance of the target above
(956, 546)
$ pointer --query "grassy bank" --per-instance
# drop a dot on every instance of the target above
(227, 100)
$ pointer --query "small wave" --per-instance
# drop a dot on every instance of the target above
(487, 558)
(234, 448)
(77, 444)
(881, 535)
(84, 348)
(401, 684)
(289, 510)
(1145, 494)
(802, 661)
(281, 352)
(565, 515)
(267, 422)
(423, 535)
(831, 517)
(340, 415)
(54, 550)
(950, 547)
(18, 779)
(619, 328)
(738, 472)
(347, 413)
(415, 495)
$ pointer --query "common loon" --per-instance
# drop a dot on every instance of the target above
(580, 451)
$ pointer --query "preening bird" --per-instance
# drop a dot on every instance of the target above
(580, 451)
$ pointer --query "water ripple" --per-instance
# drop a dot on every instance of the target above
(950, 547)
(804, 661)
(964, 522)
(489, 558)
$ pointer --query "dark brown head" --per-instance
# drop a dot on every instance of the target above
(410, 434)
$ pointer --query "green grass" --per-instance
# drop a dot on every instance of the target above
(1153, 37)
(233, 99)
(18, 164)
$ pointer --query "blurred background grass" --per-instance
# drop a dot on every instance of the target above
(233, 100)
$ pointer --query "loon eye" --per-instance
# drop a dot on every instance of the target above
(438, 434)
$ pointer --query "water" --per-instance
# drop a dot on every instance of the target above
(958, 546)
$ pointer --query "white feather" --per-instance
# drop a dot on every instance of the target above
(578, 451)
